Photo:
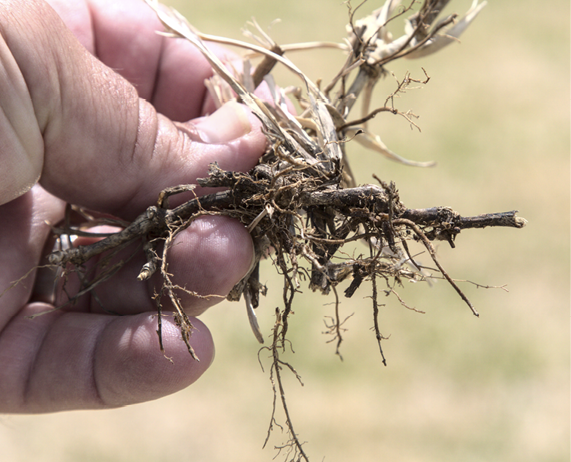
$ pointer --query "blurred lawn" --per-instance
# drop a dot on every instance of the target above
(495, 116)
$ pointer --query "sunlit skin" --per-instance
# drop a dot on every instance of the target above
(100, 111)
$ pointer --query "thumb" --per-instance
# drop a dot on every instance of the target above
(103, 146)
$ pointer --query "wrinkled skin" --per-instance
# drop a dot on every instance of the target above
(98, 110)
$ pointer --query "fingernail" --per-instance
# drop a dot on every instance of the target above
(226, 124)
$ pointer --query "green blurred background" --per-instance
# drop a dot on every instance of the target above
(495, 116)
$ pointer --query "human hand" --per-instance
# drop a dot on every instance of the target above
(92, 138)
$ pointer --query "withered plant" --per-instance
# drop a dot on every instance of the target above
(301, 204)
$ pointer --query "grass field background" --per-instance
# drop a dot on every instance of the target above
(495, 116)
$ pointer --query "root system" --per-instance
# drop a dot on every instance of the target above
(300, 203)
